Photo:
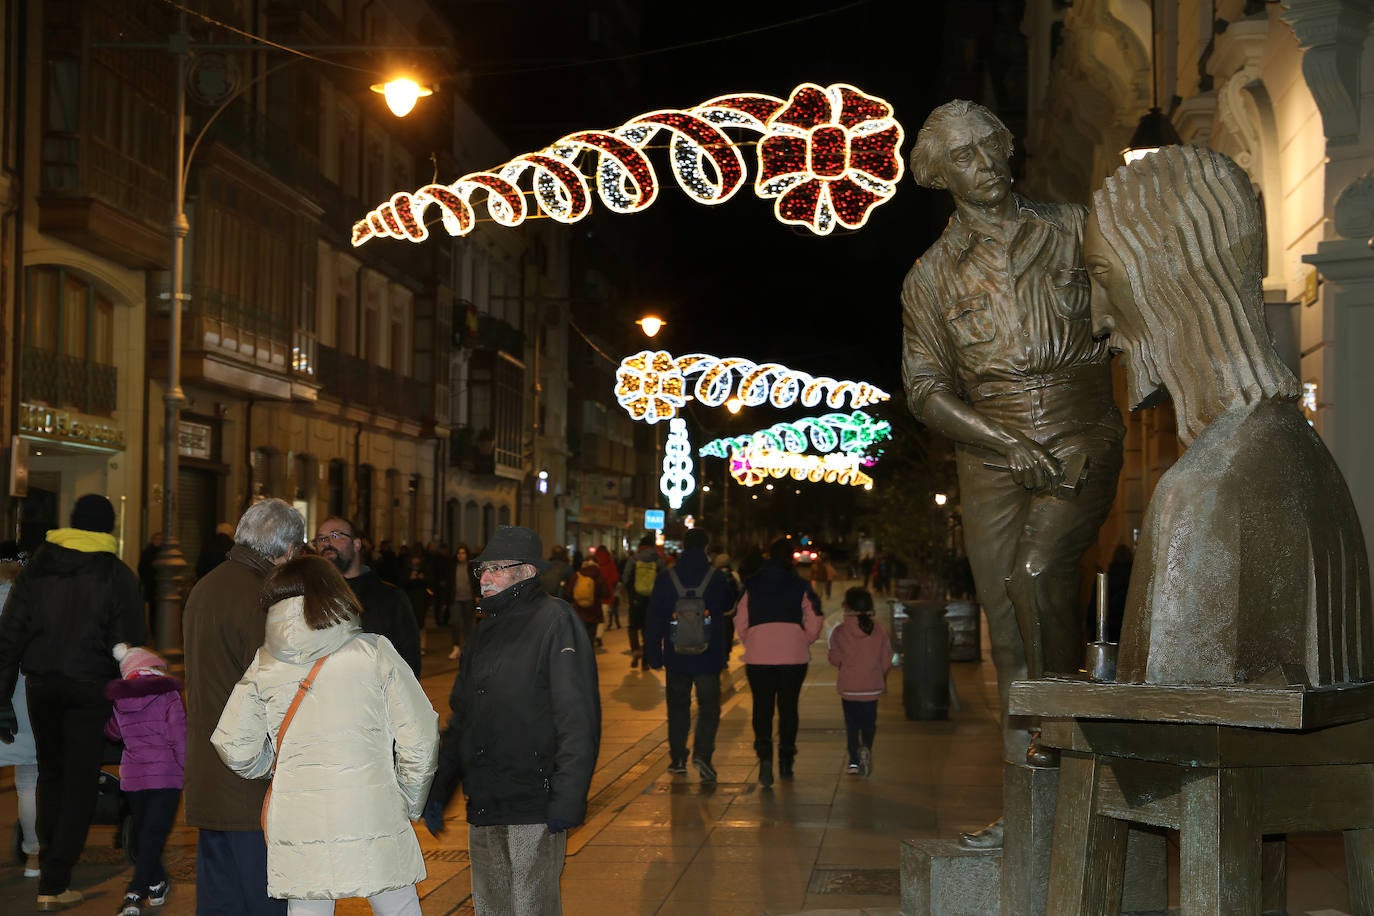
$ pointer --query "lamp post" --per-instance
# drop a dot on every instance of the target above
(170, 565)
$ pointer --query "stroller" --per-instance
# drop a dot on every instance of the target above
(111, 807)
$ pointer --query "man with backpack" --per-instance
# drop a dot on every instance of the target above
(687, 633)
(638, 578)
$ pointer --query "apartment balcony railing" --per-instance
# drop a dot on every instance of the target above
(353, 379)
(66, 381)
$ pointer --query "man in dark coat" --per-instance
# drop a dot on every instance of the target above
(524, 734)
(223, 627)
(68, 609)
(701, 671)
(386, 609)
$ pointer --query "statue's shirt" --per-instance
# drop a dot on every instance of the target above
(980, 309)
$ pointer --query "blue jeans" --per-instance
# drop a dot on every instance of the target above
(231, 875)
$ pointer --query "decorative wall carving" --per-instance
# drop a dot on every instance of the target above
(1332, 34)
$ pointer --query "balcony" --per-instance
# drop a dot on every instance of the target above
(65, 381)
(354, 380)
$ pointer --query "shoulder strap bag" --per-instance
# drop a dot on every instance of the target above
(301, 691)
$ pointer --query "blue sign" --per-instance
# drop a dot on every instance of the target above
(653, 519)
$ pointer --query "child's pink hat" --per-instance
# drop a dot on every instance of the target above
(137, 659)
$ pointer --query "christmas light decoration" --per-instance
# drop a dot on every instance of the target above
(827, 155)
(652, 385)
(754, 466)
(677, 482)
(852, 432)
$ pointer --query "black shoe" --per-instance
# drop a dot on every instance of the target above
(785, 769)
(766, 773)
(132, 906)
(157, 894)
(708, 772)
(677, 767)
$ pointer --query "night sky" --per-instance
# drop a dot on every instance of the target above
(730, 279)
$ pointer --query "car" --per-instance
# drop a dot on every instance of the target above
(803, 556)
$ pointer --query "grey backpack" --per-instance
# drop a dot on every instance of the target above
(691, 625)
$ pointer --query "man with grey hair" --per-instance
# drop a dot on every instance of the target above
(223, 627)
(998, 355)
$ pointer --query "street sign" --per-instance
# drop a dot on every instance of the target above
(653, 519)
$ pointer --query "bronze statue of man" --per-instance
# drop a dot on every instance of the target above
(998, 355)
(1251, 566)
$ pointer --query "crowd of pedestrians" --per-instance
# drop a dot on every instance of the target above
(325, 636)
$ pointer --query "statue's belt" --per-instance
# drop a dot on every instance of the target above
(1097, 373)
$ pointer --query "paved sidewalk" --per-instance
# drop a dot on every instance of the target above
(822, 843)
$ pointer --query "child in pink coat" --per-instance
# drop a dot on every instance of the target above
(151, 721)
(860, 649)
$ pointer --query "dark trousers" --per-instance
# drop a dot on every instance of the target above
(231, 875)
(69, 730)
(461, 620)
(679, 696)
(638, 606)
(860, 723)
(154, 812)
(780, 686)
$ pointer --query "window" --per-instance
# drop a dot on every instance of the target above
(67, 315)
(338, 474)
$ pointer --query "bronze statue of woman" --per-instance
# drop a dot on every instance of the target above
(1251, 566)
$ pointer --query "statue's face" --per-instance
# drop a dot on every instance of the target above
(974, 165)
(1116, 316)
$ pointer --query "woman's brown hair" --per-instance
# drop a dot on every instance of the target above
(328, 599)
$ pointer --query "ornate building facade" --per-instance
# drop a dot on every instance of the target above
(1285, 89)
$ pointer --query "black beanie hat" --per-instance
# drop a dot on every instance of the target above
(93, 512)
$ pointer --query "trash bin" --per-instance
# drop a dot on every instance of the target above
(965, 631)
(925, 661)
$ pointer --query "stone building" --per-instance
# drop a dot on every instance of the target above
(1284, 89)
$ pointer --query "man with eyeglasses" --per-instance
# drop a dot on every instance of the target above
(386, 609)
(524, 733)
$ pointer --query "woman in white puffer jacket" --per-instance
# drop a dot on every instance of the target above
(338, 815)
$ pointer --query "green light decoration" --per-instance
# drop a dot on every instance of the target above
(851, 433)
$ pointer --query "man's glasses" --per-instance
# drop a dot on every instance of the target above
(324, 539)
(482, 570)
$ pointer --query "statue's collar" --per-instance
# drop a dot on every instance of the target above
(965, 235)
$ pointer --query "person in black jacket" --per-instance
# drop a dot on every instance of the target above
(69, 608)
(386, 609)
(524, 733)
(702, 670)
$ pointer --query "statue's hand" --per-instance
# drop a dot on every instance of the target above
(1030, 465)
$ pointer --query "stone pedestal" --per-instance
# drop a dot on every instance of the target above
(941, 878)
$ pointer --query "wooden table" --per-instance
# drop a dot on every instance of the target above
(1226, 767)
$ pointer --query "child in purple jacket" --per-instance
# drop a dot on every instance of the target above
(151, 721)
(859, 647)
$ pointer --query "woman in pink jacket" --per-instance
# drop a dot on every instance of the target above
(778, 618)
(859, 647)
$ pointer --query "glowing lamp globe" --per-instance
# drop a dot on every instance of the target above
(401, 95)
(651, 324)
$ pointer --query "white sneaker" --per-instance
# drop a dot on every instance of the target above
(865, 762)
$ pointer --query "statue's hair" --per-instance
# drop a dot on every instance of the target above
(929, 149)
(1186, 225)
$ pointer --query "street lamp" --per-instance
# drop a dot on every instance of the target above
(401, 95)
(170, 565)
(650, 325)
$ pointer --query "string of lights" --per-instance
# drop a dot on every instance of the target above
(826, 156)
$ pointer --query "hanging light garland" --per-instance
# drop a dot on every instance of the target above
(751, 467)
(853, 432)
(826, 156)
(652, 385)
